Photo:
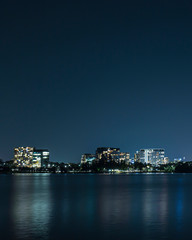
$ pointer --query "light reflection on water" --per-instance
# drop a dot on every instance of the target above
(31, 206)
(96, 206)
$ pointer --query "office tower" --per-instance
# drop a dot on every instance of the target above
(107, 154)
(40, 158)
(154, 156)
(23, 156)
(31, 157)
(120, 157)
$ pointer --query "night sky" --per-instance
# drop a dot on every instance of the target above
(77, 75)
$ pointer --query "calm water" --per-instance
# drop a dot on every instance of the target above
(140, 206)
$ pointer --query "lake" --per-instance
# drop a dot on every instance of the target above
(133, 206)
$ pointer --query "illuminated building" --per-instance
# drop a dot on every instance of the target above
(87, 158)
(124, 157)
(40, 158)
(23, 157)
(154, 156)
(107, 154)
(120, 157)
(30, 157)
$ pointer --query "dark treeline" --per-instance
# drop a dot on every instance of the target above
(185, 167)
(102, 166)
(98, 167)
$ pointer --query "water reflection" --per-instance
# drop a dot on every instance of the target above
(179, 203)
(96, 206)
(31, 206)
(113, 201)
(155, 206)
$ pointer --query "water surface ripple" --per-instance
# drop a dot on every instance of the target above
(135, 206)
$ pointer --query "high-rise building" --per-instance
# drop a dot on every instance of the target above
(30, 157)
(124, 157)
(37, 159)
(106, 153)
(40, 158)
(23, 156)
(154, 156)
(120, 157)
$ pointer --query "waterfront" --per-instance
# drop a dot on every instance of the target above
(133, 206)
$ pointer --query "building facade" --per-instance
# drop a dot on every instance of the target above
(30, 157)
(23, 156)
(40, 158)
(107, 154)
(120, 157)
(154, 156)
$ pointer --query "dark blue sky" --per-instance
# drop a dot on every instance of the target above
(76, 75)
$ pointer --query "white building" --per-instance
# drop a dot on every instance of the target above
(154, 156)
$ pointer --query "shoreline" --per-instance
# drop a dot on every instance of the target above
(91, 173)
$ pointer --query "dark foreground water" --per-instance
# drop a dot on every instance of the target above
(140, 206)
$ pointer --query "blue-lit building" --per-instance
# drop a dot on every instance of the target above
(154, 156)
(40, 158)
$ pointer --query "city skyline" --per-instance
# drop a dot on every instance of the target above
(132, 153)
(77, 75)
(104, 160)
(36, 155)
